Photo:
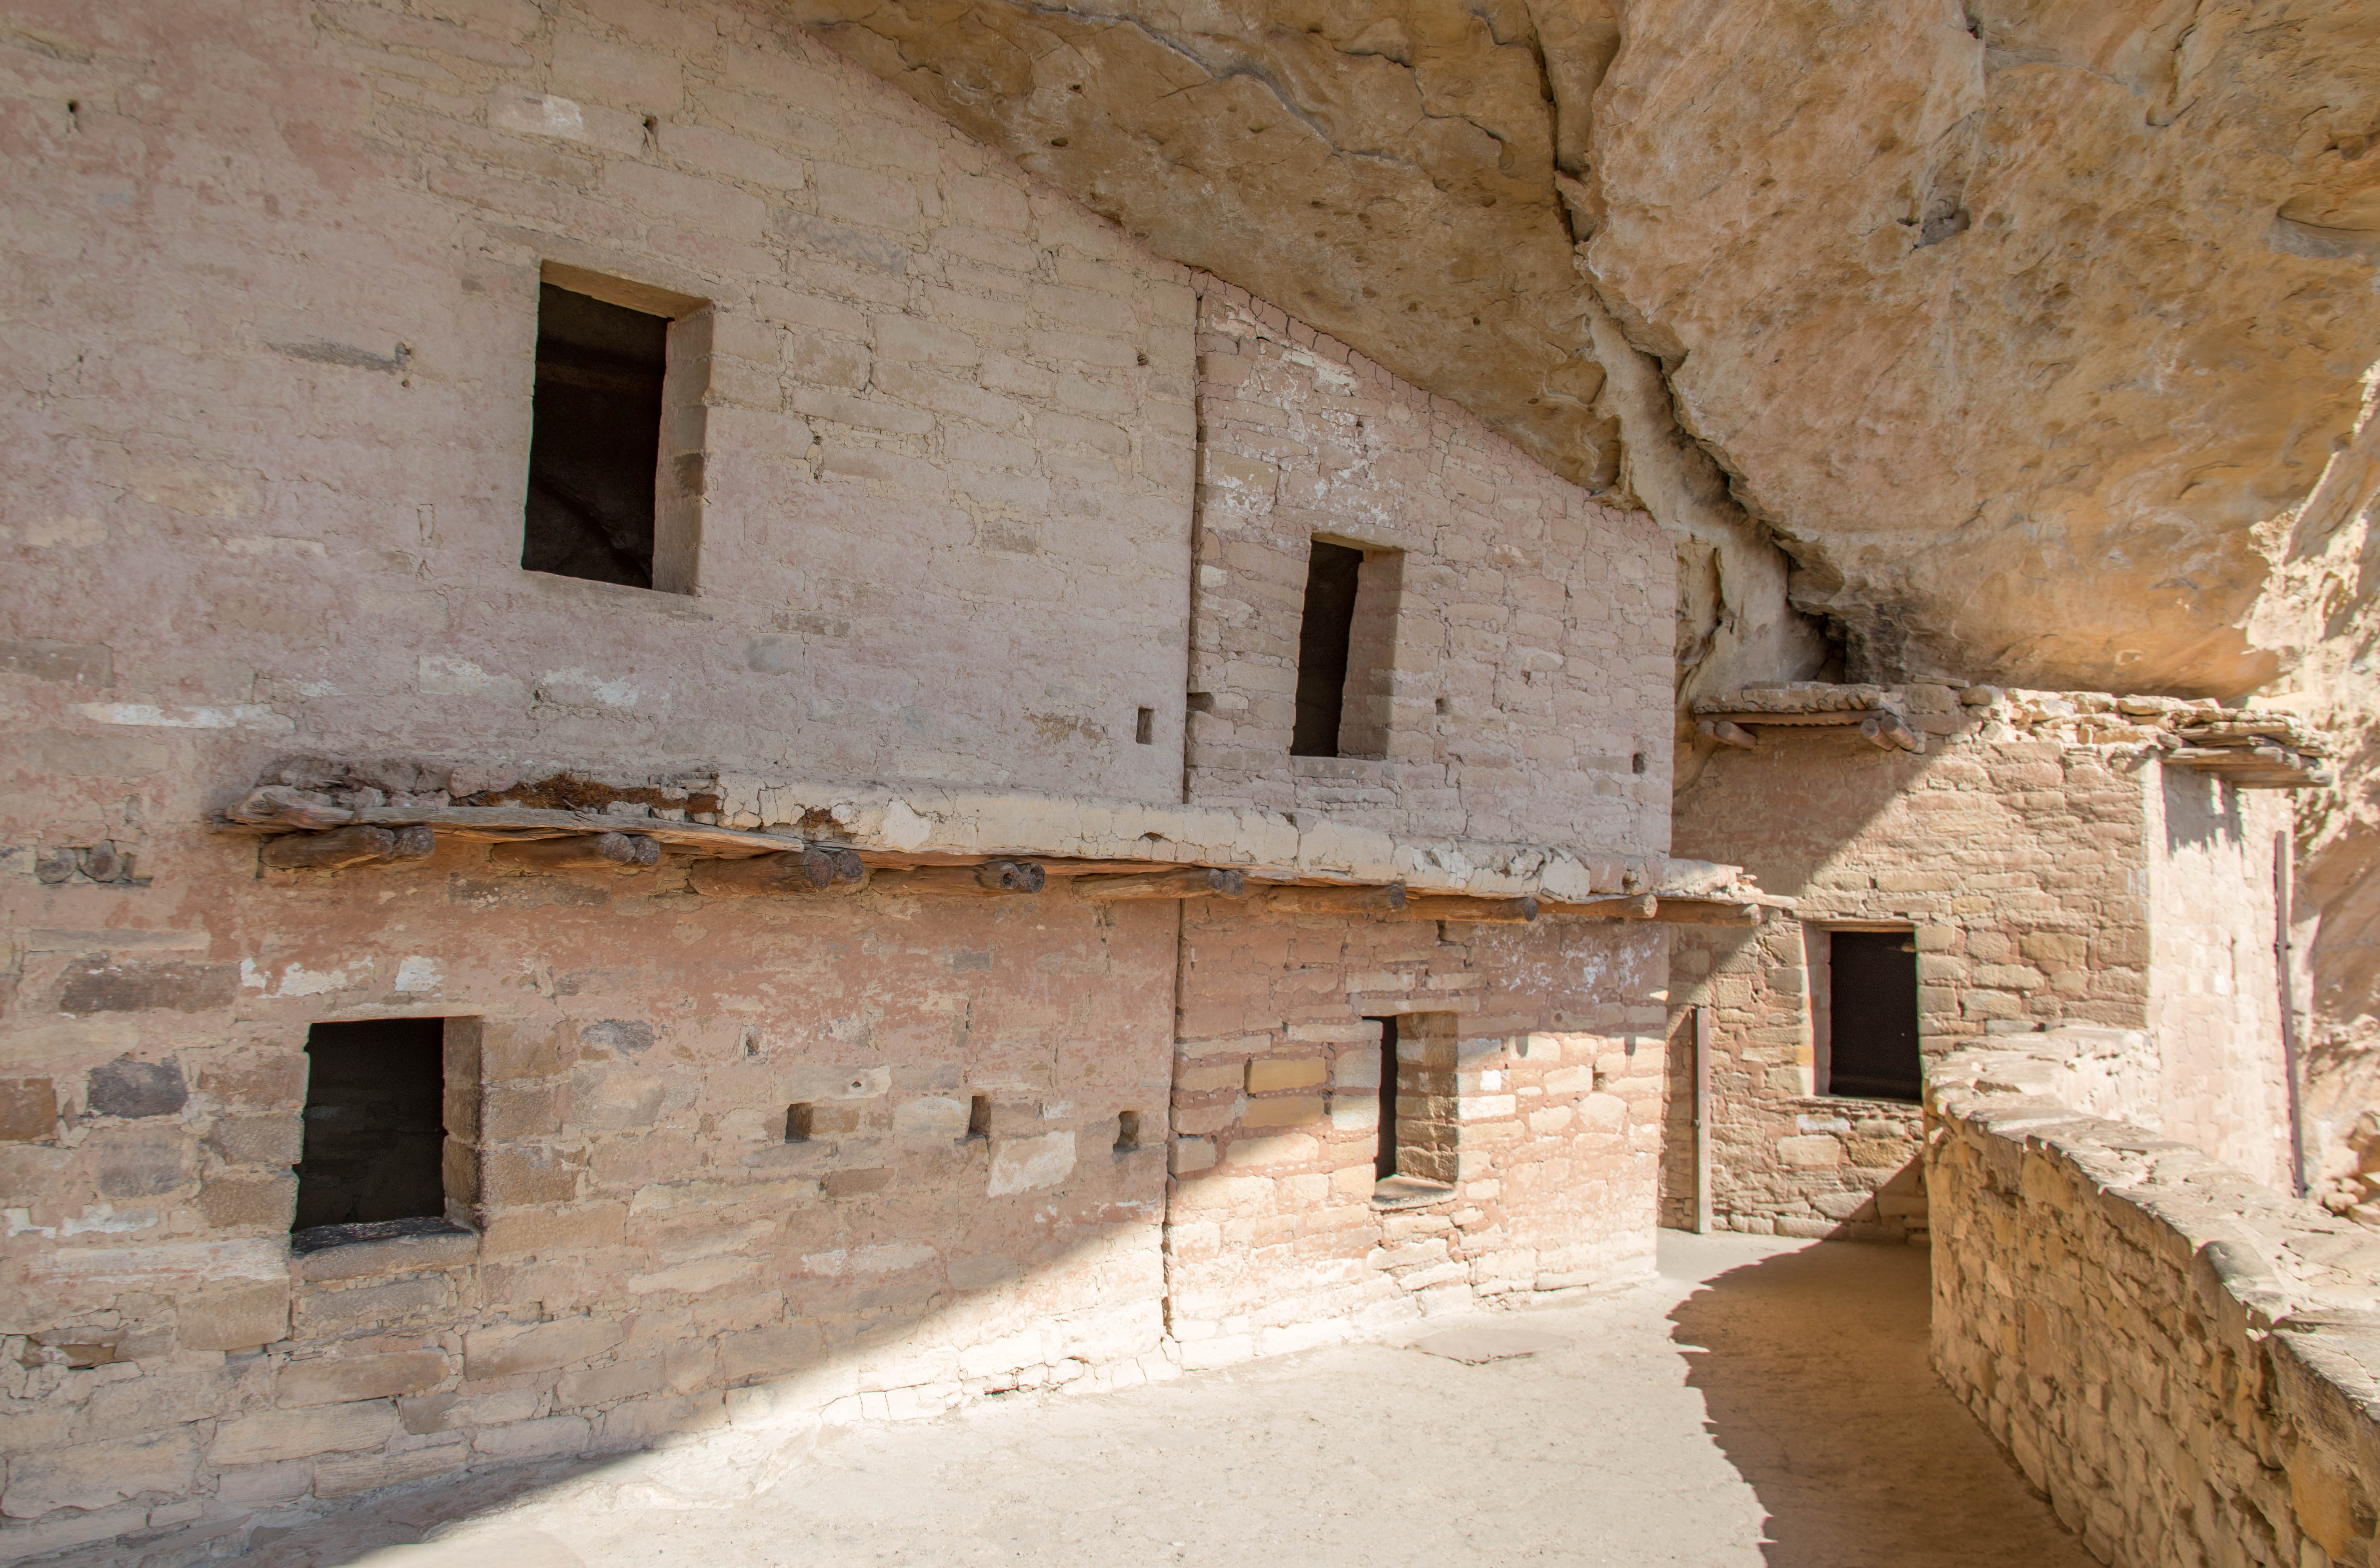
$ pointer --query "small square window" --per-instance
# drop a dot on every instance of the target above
(374, 1145)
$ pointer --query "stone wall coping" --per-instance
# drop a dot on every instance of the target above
(2274, 1278)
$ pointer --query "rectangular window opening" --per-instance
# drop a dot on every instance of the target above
(1127, 1131)
(1867, 995)
(1415, 1161)
(801, 1122)
(979, 1117)
(375, 1161)
(615, 436)
(1144, 727)
(1346, 650)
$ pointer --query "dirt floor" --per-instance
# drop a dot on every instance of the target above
(1765, 1403)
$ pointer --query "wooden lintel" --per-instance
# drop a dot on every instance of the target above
(1386, 900)
(1727, 731)
(993, 878)
(1887, 731)
(1477, 911)
(342, 847)
(1706, 912)
(810, 871)
(584, 852)
(1637, 907)
(1185, 882)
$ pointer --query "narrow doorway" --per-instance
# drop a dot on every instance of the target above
(1870, 1047)
(1384, 1161)
(375, 1125)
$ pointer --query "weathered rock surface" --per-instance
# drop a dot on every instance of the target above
(2033, 335)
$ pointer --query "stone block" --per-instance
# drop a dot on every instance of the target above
(546, 1438)
(232, 1318)
(339, 1381)
(1269, 1073)
(1284, 1110)
(266, 1435)
(345, 1477)
(508, 1350)
(1809, 1152)
(97, 1475)
(546, 1231)
(29, 1110)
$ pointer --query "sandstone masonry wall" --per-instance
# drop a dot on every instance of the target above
(2056, 876)
(1273, 1241)
(274, 298)
(1529, 692)
(2186, 1361)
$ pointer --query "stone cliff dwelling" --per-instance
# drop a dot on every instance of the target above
(706, 749)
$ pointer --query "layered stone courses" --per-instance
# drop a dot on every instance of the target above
(2186, 1361)
(2054, 874)
(948, 474)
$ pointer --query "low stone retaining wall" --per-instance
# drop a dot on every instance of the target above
(2187, 1362)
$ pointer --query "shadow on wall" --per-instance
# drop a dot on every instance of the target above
(1814, 1371)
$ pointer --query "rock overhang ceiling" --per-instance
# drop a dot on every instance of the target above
(2021, 328)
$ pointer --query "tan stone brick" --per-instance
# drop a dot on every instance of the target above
(265, 1436)
(1284, 1110)
(346, 1379)
(96, 1474)
(232, 1318)
(506, 1350)
(1285, 1071)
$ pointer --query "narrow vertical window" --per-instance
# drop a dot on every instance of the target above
(617, 432)
(1415, 1159)
(1384, 1161)
(595, 439)
(375, 1127)
(1870, 993)
(1346, 650)
(1322, 648)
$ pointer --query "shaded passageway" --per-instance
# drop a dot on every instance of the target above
(1764, 1404)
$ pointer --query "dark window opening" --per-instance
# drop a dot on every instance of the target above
(801, 1122)
(1415, 1161)
(595, 439)
(1872, 1015)
(1127, 1131)
(979, 1116)
(375, 1124)
(1322, 642)
(1384, 1163)
(1144, 728)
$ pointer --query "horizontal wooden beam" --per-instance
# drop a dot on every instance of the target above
(1727, 733)
(796, 871)
(1706, 912)
(583, 852)
(1476, 911)
(343, 848)
(1183, 882)
(1385, 900)
(1638, 907)
(993, 878)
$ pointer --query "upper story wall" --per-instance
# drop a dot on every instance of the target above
(1528, 669)
(272, 301)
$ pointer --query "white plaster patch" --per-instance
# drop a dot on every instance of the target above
(438, 675)
(1022, 1165)
(239, 716)
(904, 828)
(537, 114)
(419, 974)
(887, 1259)
(101, 1219)
(274, 544)
(619, 693)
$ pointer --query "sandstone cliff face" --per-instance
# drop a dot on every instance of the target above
(2019, 341)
